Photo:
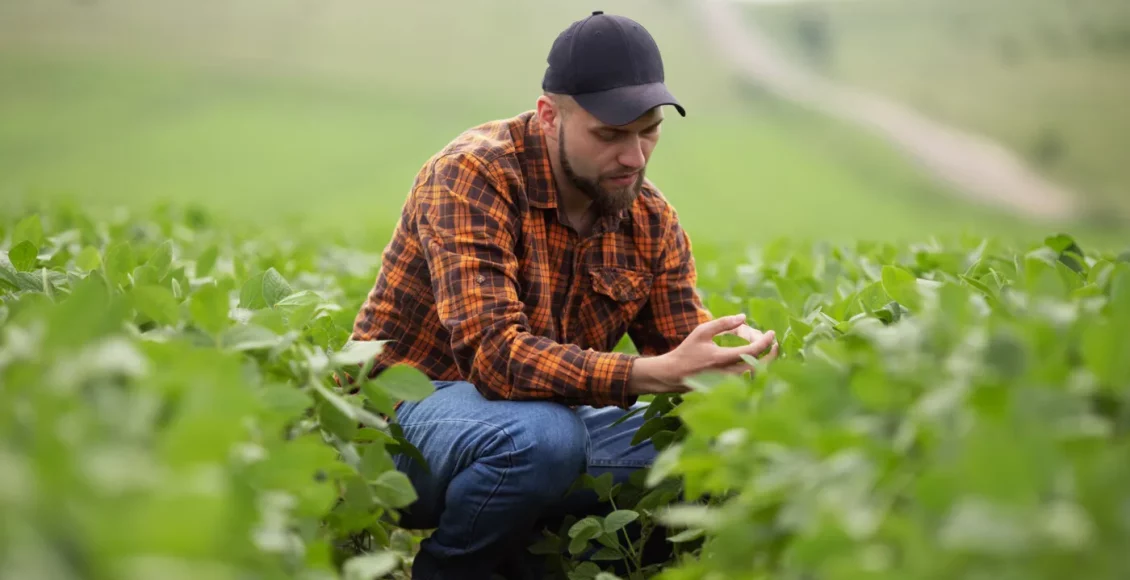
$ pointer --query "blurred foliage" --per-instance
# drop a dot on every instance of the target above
(939, 408)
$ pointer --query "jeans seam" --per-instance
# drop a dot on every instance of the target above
(618, 463)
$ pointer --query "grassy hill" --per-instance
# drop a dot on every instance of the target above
(317, 116)
(1048, 78)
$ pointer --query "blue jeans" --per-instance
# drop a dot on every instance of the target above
(498, 468)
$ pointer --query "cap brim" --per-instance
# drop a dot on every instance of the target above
(623, 105)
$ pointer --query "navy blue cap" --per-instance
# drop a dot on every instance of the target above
(611, 66)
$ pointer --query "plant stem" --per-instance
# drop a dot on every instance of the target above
(635, 558)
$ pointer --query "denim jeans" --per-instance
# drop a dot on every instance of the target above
(498, 468)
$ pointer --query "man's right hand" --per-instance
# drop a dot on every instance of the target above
(699, 353)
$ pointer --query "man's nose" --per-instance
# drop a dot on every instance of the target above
(633, 157)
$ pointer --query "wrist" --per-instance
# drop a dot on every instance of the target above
(653, 374)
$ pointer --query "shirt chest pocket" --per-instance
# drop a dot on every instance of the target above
(618, 295)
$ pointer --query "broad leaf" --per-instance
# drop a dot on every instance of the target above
(404, 382)
(394, 489)
(23, 256)
(370, 566)
(29, 229)
(902, 286)
(616, 520)
(275, 287)
(157, 303)
(209, 309)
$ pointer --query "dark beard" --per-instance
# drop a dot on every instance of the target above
(608, 202)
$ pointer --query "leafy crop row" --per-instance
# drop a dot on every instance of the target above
(168, 409)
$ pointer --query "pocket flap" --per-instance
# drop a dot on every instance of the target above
(621, 284)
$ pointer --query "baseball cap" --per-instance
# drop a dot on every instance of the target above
(611, 66)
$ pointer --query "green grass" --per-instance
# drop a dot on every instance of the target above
(323, 125)
(1045, 77)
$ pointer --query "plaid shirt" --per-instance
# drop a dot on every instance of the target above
(483, 281)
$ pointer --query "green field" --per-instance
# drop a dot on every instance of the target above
(169, 409)
(170, 398)
(319, 121)
(1048, 78)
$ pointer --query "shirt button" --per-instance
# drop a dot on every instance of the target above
(480, 278)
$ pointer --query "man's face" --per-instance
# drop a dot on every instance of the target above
(606, 162)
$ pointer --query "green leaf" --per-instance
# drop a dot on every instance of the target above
(584, 570)
(10, 278)
(653, 426)
(902, 286)
(587, 528)
(161, 259)
(209, 308)
(616, 520)
(88, 259)
(145, 275)
(769, 315)
(156, 302)
(394, 489)
(23, 256)
(206, 261)
(602, 485)
(275, 287)
(606, 554)
(337, 419)
(1070, 253)
(299, 308)
(29, 229)
(286, 400)
(375, 460)
(370, 566)
(245, 337)
(251, 295)
(687, 536)
(354, 413)
(120, 263)
(357, 352)
(404, 382)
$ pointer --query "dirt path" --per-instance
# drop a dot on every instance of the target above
(975, 166)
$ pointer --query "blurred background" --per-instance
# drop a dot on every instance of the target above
(833, 119)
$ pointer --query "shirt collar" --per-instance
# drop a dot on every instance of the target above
(541, 190)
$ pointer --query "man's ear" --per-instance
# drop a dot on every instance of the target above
(549, 115)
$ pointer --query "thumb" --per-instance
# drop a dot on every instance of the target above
(720, 325)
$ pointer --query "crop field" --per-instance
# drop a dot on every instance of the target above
(193, 202)
(169, 410)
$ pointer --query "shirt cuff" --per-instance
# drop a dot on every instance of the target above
(609, 374)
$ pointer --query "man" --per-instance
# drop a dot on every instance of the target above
(526, 249)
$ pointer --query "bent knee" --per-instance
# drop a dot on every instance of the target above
(554, 443)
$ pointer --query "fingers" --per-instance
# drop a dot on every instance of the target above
(747, 333)
(737, 368)
(772, 356)
(754, 348)
(719, 325)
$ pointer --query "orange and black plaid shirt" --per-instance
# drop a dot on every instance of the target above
(483, 281)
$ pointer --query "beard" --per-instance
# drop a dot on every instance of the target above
(608, 201)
